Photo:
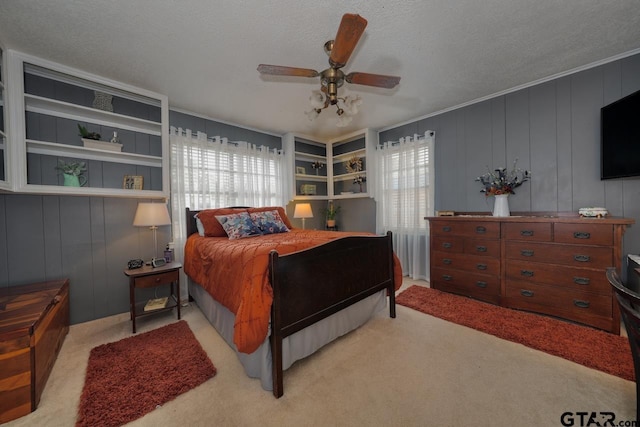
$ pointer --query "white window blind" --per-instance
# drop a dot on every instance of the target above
(404, 195)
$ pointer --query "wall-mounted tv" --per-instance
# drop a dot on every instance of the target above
(620, 138)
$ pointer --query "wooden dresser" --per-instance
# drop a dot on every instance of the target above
(550, 264)
(34, 321)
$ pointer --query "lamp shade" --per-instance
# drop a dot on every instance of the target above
(303, 210)
(151, 214)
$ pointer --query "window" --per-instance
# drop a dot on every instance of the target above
(404, 196)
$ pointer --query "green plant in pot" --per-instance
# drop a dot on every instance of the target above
(331, 212)
(84, 133)
(72, 172)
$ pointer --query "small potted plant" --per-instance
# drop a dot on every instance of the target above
(72, 172)
(85, 134)
(331, 212)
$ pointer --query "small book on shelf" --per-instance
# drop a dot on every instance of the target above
(154, 304)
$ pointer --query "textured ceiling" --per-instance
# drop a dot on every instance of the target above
(203, 54)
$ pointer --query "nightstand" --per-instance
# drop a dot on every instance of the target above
(150, 277)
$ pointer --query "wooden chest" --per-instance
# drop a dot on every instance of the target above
(34, 320)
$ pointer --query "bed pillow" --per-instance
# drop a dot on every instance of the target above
(238, 225)
(281, 212)
(211, 226)
(269, 222)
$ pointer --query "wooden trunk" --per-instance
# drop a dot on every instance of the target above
(34, 321)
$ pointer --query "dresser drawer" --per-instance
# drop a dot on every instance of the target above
(583, 234)
(529, 231)
(477, 285)
(567, 303)
(578, 279)
(447, 244)
(571, 255)
(482, 247)
(156, 279)
(472, 263)
(486, 229)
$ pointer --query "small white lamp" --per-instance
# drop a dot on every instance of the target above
(152, 215)
(303, 210)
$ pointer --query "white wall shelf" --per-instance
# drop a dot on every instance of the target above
(43, 92)
(54, 149)
(335, 180)
(52, 107)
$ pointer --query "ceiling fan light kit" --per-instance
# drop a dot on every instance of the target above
(339, 50)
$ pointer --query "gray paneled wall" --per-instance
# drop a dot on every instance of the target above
(553, 129)
(86, 239)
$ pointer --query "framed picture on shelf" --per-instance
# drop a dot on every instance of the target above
(132, 182)
(301, 170)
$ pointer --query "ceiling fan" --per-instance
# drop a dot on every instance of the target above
(339, 50)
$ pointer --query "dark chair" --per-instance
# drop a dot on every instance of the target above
(629, 302)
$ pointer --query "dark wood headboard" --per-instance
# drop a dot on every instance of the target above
(191, 221)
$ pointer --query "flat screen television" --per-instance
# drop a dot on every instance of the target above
(620, 138)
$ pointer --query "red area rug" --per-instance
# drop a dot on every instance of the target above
(587, 346)
(131, 377)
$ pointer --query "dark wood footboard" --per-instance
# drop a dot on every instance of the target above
(313, 284)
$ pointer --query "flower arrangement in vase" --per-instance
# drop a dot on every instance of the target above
(500, 183)
(503, 181)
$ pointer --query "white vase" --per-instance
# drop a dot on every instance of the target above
(501, 205)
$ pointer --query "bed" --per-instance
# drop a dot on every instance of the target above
(314, 286)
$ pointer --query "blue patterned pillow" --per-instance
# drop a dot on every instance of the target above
(238, 226)
(269, 222)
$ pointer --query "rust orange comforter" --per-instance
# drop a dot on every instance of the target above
(235, 273)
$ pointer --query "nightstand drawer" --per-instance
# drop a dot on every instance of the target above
(156, 279)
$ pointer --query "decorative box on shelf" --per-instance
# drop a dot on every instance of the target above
(102, 145)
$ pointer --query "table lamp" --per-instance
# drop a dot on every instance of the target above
(152, 215)
(303, 210)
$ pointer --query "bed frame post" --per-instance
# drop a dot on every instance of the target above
(276, 330)
(392, 288)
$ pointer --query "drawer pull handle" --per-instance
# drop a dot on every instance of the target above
(157, 279)
(481, 248)
(527, 273)
(446, 228)
(446, 261)
(526, 252)
(481, 230)
(481, 284)
(580, 303)
(526, 233)
(582, 258)
(581, 280)
(446, 245)
(481, 266)
(446, 277)
(526, 293)
(582, 235)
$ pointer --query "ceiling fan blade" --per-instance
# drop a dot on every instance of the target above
(278, 70)
(351, 28)
(378, 80)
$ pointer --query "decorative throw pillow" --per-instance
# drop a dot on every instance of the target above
(199, 225)
(238, 226)
(210, 224)
(269, 222)
(281, 211)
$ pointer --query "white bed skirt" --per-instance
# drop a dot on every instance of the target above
(294, 347)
